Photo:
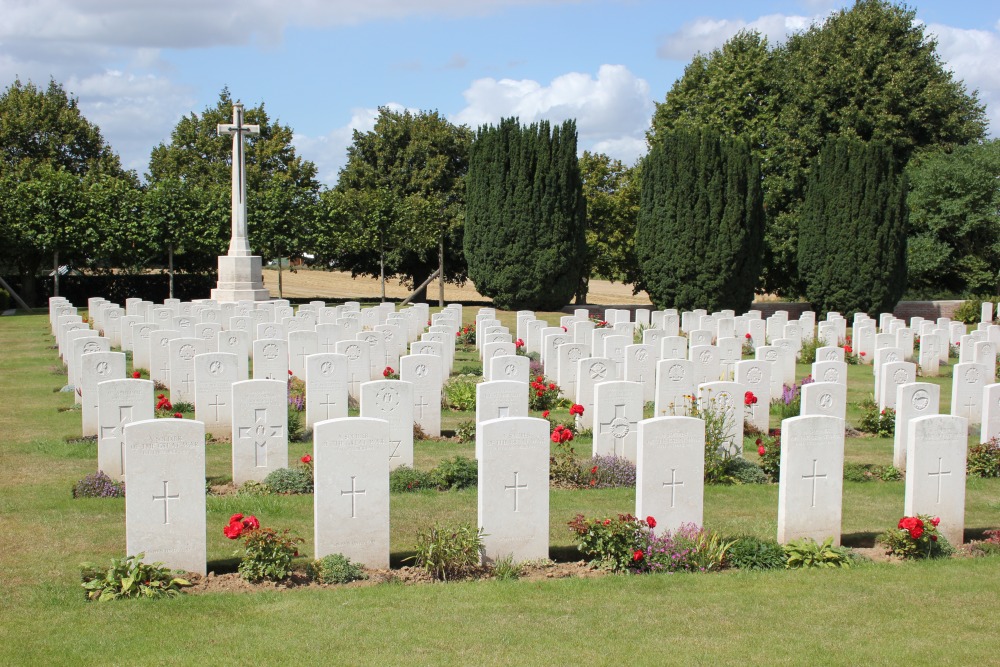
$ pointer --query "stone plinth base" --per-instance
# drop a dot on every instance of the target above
(240, 279)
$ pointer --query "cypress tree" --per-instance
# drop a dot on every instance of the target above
(700, 231)
(852, 235)
(525, 215)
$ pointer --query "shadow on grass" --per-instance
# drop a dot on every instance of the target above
(859, 540)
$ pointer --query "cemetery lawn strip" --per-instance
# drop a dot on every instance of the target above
(941, 611)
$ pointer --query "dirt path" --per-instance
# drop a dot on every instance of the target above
(336, 284)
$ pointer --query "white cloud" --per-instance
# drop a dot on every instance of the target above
(972, 55)
(612, 111)
(705, 34)
(329, 151)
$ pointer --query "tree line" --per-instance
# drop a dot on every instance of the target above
(845, 166)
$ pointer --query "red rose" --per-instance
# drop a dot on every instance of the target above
(539, 393)
(233, 530)
(251, 523)
(519, 343)
(761, 450)
(593, 471)
(607, 522)
(178, 415)
(555, 436)
(540, 379)
(136, 374)
(848, 349)
(236, 518)
(916, 532)
(935, 521)
(545, 415)
(933, 538)
(593, 482)
(566, 435)
(651, 522)
(862, 354)
(565, 329)
(637, 555)
(576, 409)
(748, 336)
(306, 459)
(289, 372)
(552, 385)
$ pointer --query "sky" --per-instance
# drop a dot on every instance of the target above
(323, 67)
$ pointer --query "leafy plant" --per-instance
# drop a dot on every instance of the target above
(254, 488)
(505, 569)
(466, 431)
(753, 553)
(689, 548)
(466, 337)
(460, 392)
(610, 472)
(337, 569)
(564, 468)
(916, 537)
(742, 471)
(542, 395)
(129, 577)
(615, 543)
(446, 551)
(295, 429)
(298, 480)
(868, 472)
(769, 451)
(880, 423)
(790, 403)
(98, 485)
(984, 459)
(971, 309)
(404, 478)
(457, 473)
(268, 553)
(806, 553)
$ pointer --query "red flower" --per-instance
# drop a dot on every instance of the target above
(933, 538)
(593, 482)
(136, 375)
(289, 372)
(749, 398)
(759, 441)
(540, 379)
(848, 349)
(178, 415)
(251, 523)
(552, 385)
(916, 532)
(748, 336)
(539, 393)
(566, 435)
(233, 530)
(160, 396)
(637, 555)
(565, 329)
(389, 370)
(862, 354)
(761, 450)
(935, 521)
(236, 518)
(607, 522)
(519, 343)
(545, 415)
(651, 522)
(576, 409)
(555, 437)
(457, 334)
(593, 471)
(306, 459)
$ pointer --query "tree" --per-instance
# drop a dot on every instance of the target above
(701, 222)
(611, 191)
(954, 238)
(400, 200)
(282, 190)
(852, 235)
(868, 72)
(49, 156)
(525, 222)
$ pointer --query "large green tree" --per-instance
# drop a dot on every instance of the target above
(611, 191)
(954, 238)
(194, 169)
(55, 169)
(400, 200)
(852, 234)
(701, 222)
(525, 222)
(869, 72)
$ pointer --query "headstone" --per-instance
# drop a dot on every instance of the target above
(726, 399)
(968, 381)
(260, 429)
(670, 471)
(673, 347)
(392, 401)
(935, 472)
(270, 359)
(824, 398)
(991, 413)
(569, 355)
(810, 491)
(214, 375)
(514, 488)
(326, 388)
(590, 372)
(916, 399)
(424, 372)
(674, 387)
(351, 502)
(182, 352)
(300, 345)
(358, 364)
(165, 512)
(707, 365)
(120, 402)
(755, 377)
(617, 412)
(515, 367)
(236, 343)
(894, 374)
(97, 367)
(930, 355)
(640, 367)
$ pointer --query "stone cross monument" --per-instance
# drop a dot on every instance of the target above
(240, 275)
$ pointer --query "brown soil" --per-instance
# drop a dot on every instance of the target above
(306, 283)
(233, 583)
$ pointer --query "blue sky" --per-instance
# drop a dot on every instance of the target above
(324, 66)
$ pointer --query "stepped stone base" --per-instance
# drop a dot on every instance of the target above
(240, 279)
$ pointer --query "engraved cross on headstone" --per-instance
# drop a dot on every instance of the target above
(259, 433)
(124, 417)
(673, 484)
(516, 488)
(422, 403)
(326, 404)
(354, 493)
(939, 474)
(166, 498)
(239, 245)
(813, 477)
(218, 404)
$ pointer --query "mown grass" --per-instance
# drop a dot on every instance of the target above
(877, 614)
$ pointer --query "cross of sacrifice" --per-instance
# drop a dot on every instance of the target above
(516, 488)
(939, 474)
(673, 484)
(813, 477)
(166, 498)
(354, 493)
(239, 245)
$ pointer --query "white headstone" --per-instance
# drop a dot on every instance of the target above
(968, 381)
(674, 387)
(515, 368)
(670, 471)
(590, 372)
(824, 398)
(120, 402)
(260, 429)
(326, 388)
(755, 376)
(270, 359)
(182, 354)
(97, 367)
(424, 372)
(935, 472)
(214, 375)
(810, 491)
(916, 399)
(392, 400)
(617, 411)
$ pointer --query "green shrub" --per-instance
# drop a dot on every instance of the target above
(295, 430)
(742, 471)
(4, 299)
(612, 542)
(916, 537)
(880, 423)
(405, 478)
(505, 569)
(466, 431)
(337, 569)
(457, 473)
(754, 553)
(807, 553)
(971, 309)
(769, 450)
(447, 551)
(129, 577)
(869, 472)
(460, 392)
(290, 480)
(984, 459)
(254, 488)
(807, 355)
(269, 554)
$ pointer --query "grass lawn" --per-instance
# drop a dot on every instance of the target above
(930, 612)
